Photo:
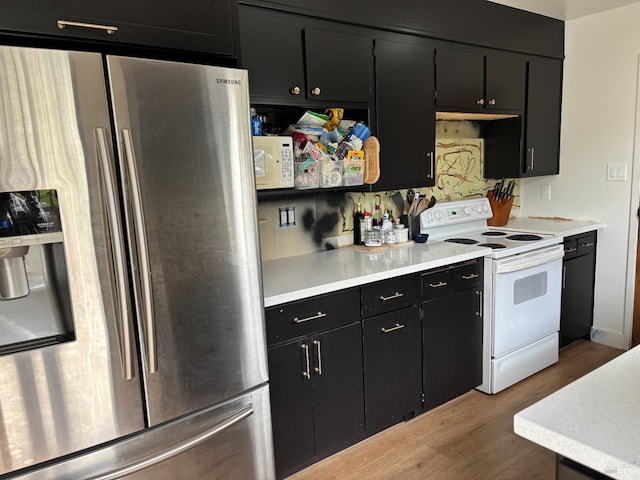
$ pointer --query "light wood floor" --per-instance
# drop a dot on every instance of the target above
(470, 437)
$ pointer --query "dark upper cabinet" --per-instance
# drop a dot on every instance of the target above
(542, 125)
(294, 60)
(205, 26)
(474, 82)
(405, 114)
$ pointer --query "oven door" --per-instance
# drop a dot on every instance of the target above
(526, 298)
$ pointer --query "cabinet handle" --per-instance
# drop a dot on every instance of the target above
(315, 91)
(480, 102)
(438, 285)
(430, 165)
(110, 29)
(307, 372)
(313, 317)
(318, 369)
(588, 244)
(480, 303)
(470, 277)
(570, 250)
(295, 90)
(492, 101)
(533, 151)
(564, 276)
(398, 326)
(395, 295)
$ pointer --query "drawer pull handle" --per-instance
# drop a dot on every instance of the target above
(395, 295)
(438, 285)
(588, 244)
(470, 277)
(307, 372)
(318, 369)
(480, 303)
(398, 326)
(313, 317)
(110, 29)
(571, 250)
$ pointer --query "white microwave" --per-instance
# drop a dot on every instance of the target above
(273, 162)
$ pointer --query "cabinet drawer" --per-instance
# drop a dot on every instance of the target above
(324, 312)
(437, 284)
(586, 244)
(389, 295)
(468, 276)
(570, 248)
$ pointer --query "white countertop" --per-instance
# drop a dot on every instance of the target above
(295, 278)
(594, 420)
(560, 227)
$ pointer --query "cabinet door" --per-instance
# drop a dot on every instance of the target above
(339, 66)
(459, 79)
(338, 392)
(544, 94)
(505, 83)
(452, 344)
(291, 404)
(272, 52)
(577, 298)
(405, 114)
(392, 368)
(196, 25)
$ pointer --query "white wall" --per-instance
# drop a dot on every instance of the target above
(598, 127)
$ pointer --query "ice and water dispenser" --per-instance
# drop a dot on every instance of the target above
(35, 306)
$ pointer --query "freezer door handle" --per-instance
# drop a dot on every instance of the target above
(116, 244)
(179, 448)
(133, 182)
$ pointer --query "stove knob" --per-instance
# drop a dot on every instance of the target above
(479, 208)
(485, 208)
(467, 211)
(430, 216)
(438, 215)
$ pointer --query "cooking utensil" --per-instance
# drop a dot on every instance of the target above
(398, 201)
(424, 205)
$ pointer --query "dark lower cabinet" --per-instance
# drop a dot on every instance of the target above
(392, 368)
(567, 469)
(316, 389)
(578, 279)
(452, 330)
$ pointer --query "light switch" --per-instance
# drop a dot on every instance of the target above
(616, 172)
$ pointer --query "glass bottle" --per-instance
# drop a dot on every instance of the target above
(358, 223)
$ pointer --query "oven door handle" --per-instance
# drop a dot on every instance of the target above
(529, 260)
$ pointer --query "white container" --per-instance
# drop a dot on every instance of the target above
(402, 233)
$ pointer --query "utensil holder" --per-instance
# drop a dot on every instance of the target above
(501, 210)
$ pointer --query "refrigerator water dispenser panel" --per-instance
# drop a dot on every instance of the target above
(35, 306)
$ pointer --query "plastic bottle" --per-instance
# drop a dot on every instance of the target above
(358, 223)
(387, 226)
(256, 123)
(377, 217)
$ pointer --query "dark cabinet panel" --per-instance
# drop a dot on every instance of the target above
(578, 281)
(293, 59)
(452, 329)
(405, 114)
(291, 405)
(473, 81)
(392, 368)
(196, 25)
(338, 402)
(544, 94)
(388, 295)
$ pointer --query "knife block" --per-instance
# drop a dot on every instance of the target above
(501, 210)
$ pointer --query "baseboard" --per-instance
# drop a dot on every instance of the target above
(609, 338)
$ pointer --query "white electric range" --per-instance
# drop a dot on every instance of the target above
(522, 289)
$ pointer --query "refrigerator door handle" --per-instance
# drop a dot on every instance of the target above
(142, 251)
(116, 244)
(180, 447)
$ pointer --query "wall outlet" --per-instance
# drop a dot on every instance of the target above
(545, 192)
(287, 216)
(616, 172)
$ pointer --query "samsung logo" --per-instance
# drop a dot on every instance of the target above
(229, 81)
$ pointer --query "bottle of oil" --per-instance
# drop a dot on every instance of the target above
(358, 226)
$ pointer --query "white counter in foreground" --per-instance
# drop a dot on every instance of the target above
(295, 278)
(594, 421)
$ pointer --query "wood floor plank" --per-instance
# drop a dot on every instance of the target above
(470, 437)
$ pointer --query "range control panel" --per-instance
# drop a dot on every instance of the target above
(456, 212)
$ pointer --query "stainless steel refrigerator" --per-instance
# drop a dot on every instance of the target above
(131, 320)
